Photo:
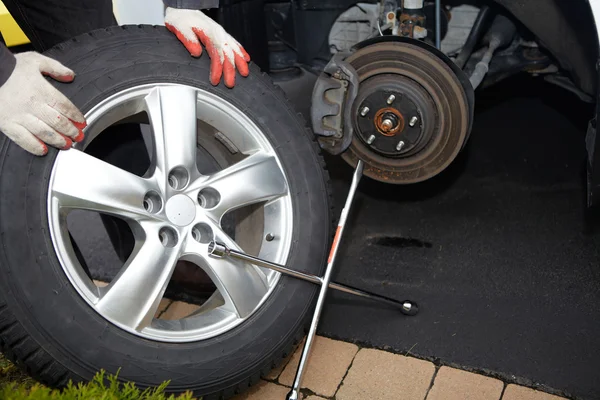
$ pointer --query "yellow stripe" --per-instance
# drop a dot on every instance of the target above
(13, 35)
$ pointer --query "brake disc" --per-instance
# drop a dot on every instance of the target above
(412, 114)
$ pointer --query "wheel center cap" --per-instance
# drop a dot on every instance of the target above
(180, 210)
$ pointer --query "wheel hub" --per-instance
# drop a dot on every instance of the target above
(384, 127)
(411, 114)
(180, 210)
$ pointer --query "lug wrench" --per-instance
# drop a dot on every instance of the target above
(218, 250)
(407, 307)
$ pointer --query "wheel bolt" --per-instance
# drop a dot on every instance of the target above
(400, 145)
(364, 111)
(371, 139)
(270, 237)
(413, 121)
(391, 99)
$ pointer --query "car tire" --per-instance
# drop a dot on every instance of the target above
(48, 328)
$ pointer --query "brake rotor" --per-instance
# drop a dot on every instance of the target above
(411, 114)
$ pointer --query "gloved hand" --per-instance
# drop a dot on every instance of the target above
(32, 112)
(225, 52)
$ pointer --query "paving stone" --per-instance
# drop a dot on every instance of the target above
(178, 310)
(162, 307)
(454, 384)
(515, 392)
(327, 365)
(381, 375)
(314, 398)
(264, 391)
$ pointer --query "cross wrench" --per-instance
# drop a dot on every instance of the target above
(218, 250)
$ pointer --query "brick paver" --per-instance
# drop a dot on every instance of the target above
(314, 398)
(454, 384)
(380, 375)
(178, 310)
(327, 365)
(264, 391)
(514, 392)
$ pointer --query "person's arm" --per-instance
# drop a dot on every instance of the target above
(194, 29)
(33, 113)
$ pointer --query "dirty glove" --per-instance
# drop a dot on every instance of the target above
(192, 27)
(32, 112)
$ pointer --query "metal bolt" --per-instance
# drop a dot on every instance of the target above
(400, 145)
(269, 237)
(371, 139)
(364, 111)
(391, 99)
(407, 306)
(413, 121)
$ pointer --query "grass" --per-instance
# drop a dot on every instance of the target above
(16, 385)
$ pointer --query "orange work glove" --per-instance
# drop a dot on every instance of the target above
(193, 27)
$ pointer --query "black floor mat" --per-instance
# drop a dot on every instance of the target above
(496, 250)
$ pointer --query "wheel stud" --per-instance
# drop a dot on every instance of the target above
(371, 139)
(400, 145)
(364, 111)
(391, 99)
(413, 121)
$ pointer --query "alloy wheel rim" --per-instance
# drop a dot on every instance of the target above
(174, 211)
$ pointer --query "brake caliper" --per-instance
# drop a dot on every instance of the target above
(332, 99)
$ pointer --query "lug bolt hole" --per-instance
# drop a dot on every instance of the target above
(168, 237)
(208, 198)
(202, 233)
(178, 178)
(152, 202)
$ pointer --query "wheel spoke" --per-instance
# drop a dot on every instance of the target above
(134, 295)
(85, 182)
(241, 284)
(172, 114)
(256, 178)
